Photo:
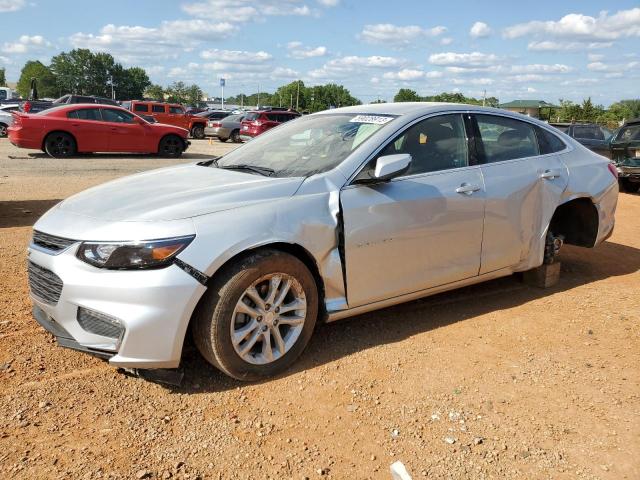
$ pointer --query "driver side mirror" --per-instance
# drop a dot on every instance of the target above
(386, 168)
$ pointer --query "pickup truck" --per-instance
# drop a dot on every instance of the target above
(170, 114)
(35, 106)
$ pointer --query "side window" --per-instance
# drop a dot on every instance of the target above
(273, 117)
(437, 143)
(548, 142)
(157, 108)
(629, 134)
(117, 116)
(588, 132)
(141, 107)
(86, 114)
(176, 110)
(504, 138)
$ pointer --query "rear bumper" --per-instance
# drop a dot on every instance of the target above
(213, 131)
(20, 140)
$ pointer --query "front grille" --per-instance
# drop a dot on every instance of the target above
(99, 323)
(51, 242)
(44, 284)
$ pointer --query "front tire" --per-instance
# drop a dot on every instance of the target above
(3, 130)
(171, 146)
(197, 132)
(235, 136)
(258, 315)
(60, 145)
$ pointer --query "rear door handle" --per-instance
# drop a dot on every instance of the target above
(549, 175)
(467, 189)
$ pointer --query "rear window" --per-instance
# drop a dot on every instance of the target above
(505, 138)
(252, 116)
(86, 114)
(588, 132)
(141, 107)
(629, 134)
(157, 108)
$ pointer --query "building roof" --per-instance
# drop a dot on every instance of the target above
(527, 104)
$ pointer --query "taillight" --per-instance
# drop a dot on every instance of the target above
(26, 106)
(613, 169)
(215, 124)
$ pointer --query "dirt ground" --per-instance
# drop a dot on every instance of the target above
(500, 380)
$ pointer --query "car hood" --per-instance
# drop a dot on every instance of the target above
(177, 192)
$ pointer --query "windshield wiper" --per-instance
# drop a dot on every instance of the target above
(267, 172)
(208, 163)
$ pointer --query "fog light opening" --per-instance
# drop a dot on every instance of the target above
(101, 324)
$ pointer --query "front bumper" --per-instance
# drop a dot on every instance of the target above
(153, 306)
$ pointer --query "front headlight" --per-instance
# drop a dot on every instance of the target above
(133, 255)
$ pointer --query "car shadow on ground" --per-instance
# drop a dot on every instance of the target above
(23, 213)
(390, 325)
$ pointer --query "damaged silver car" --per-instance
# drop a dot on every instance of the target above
(328, 216)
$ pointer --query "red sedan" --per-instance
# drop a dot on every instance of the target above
(69, 129)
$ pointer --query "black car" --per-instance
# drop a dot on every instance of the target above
(594, 137)
(625, 154)
(214, 114)
(35, 106)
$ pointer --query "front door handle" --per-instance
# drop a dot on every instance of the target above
(467, 189)
(549, 175)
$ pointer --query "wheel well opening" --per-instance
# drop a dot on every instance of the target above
(292, 249)
(577, 221)
(44, 140)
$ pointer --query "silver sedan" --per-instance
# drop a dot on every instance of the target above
(226, 128)
(328, 216)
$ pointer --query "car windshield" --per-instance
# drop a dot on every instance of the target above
(629, 134)
(307, 145)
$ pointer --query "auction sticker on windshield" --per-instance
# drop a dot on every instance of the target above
(375, 119)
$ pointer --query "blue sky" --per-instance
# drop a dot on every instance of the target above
(541, 50)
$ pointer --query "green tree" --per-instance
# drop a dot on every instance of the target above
(293, 95)
(194, 95)
(130, 83)
(3, 78)
(46, 81)
(155, 92)
(177, 92)
(407, 95)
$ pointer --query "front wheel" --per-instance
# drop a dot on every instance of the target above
(197, 132)
(171, 146)
(223, 139)
(3, 130)
(60, 145)
(235, 136)
(258, 315)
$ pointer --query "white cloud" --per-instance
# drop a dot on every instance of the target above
(298, 51)
(480, 30)
(236, 56)
(281, 72)
(12, 5)
(553, 46)
(329, 3)
(389, 34)
(410, 74)
(134, 43)
(541, 68)
(238, 11)
(472, 81)
(584, 28)
(613, 67)
(26, 43)
(531, 90)
(595, 57)
(464, 60)
(345, 66)
(446, 41)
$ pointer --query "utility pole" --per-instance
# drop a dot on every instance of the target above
(258, 106)
(222, 82)
(298, 97)
(113, 93)
(484, 98)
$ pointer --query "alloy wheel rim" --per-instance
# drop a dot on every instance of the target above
(59, 146)
(3, 131)
(268, 318)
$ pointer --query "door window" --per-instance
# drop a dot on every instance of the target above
(437, 143)
(157, 108)
(117, 116)
(548, 142)
(176, 110)
(141, 107)
(85, 114)
(504, 138)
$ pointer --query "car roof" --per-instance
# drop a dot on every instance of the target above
(399, 108)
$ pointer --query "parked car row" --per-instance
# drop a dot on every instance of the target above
(6, 118)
